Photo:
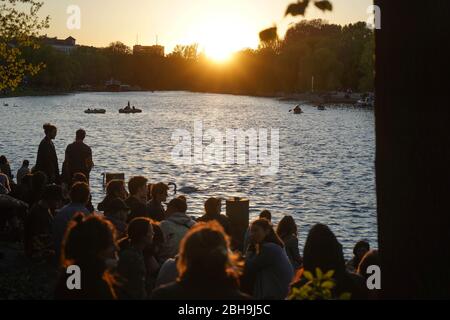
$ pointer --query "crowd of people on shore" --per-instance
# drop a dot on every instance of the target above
(138, 245)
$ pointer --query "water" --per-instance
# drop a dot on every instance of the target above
(326, 157)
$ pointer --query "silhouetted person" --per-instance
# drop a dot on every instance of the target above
(266, 263)
(80, 177)
(47, 160)
(90, 243)
(322, 250)
(117, 213)
(137, 201)
(132, 268)
(174, 227)
(24, 170)
(38, 224)
(38, 183)
(79, 156)
(5, 187)
(264, 214)
(207, 269)
(213, 208)
(360, 249)
(155, 207)
(79, 197)
(6, 169)
(115, 189)
(168, 272)
(287, 231)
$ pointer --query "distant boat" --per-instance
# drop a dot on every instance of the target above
(297, 110)
(320, 107)
(129, 109)
(95, 111)
(367, 102)
(6, 105)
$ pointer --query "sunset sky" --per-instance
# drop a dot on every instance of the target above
(219, 26)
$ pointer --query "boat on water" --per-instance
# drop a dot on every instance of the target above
(367, 102)
(6, 105)
(320, 107)
(297, 110)
(129, 109)
(95, 111)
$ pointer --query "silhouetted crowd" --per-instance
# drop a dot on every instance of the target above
(136, 245)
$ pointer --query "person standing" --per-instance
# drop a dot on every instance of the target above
(47, 160)
(78, 157)
(212, 212)
(23, 171)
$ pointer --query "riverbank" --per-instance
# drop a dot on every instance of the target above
(331, 97)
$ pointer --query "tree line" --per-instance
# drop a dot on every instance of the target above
(338, 57)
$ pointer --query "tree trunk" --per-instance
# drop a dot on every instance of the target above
(413, 148)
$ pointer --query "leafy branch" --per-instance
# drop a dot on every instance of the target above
(294, 9)
(319, 287)
(19, 29)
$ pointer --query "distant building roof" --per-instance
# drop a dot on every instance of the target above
(70, 41)
(149, 50)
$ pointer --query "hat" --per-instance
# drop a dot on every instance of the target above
(116, 205)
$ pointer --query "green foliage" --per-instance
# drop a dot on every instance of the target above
(318, 287)
(19, 28)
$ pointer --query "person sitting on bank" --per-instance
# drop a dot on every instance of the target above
(137, 186)
(38, 224)
(359, 250)
(322, 250)
(23, 171)
(115, 189)
(267, 266)
(287, 231)
(79, 156)
(174, 228)
(117, 213)
(90, 244)
(4, 183)
(213, 207)
(79, 198)
(159, 195)
(6, 169)
(265, 214)
(132, 268)
(206, 266)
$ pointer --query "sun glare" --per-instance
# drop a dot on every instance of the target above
(222, 35)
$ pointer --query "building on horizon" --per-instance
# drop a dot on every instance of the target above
(155, 50)
(64, 45)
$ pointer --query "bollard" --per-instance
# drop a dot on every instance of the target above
(237, 210)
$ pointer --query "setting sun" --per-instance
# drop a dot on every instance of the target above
(219, 36)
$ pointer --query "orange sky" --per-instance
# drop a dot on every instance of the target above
(219, 26)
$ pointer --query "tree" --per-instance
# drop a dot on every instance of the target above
(19, 29)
